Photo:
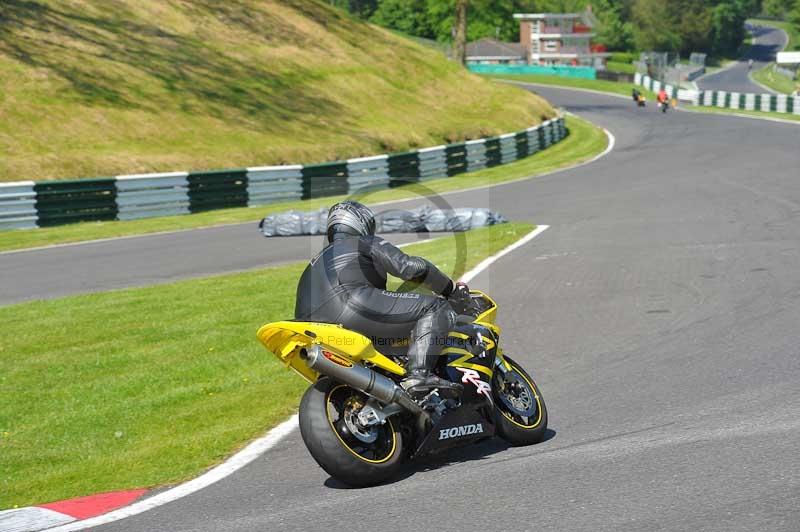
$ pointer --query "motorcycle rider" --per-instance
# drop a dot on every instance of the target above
(346, 284)
(663, 97)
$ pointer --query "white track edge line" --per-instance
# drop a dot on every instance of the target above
(256, 448)
(610, 146)
(485, 263)
(230, 466)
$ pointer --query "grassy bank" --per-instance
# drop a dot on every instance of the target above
(767, 76)
(160, 86)
(577, 83)
(584, 142)
(150, 386)
(775, 81)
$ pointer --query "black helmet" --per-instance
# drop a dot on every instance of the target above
(350, 217)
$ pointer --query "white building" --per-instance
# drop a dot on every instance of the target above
(558, 39)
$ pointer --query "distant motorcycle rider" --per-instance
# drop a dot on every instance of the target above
(346, 284)
(663, 100)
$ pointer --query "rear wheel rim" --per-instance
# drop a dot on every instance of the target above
(376, 444)
(518, 398)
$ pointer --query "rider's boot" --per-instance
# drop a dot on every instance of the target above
(427, 339)
(421, 381)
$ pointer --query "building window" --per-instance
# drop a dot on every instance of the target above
(550, 46)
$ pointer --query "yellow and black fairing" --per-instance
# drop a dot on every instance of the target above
(473, 349)
(469, 358)
(287, 339)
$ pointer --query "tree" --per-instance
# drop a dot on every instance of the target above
(693, 26)
(794, 19)
(654, 26)
(408, 16)
(777, 8)
(611, 29)
(727, 28)
(460, 37)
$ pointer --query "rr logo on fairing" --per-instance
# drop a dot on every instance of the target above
(473, 377)
(463, 430)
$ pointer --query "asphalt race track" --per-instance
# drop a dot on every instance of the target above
(659, 314)
(106, 265)
(768, 42)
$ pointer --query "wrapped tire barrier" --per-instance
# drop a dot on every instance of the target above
(294, 223)
(420, 220)
(399, 221)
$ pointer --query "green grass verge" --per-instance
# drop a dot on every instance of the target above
(577, 83)
(622, 68)
(775, 81)
(150, 386)
(584, 142)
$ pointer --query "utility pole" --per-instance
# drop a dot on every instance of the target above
(460, 39)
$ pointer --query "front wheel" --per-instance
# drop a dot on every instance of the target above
(354, 454)
(520, 412)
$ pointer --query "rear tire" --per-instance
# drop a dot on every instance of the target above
(323, 412)
(520, 413)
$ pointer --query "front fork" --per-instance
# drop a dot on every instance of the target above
(500, 362)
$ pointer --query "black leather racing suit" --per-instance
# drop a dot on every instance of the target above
(346, 284)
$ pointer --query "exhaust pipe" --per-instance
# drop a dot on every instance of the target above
(359, 377)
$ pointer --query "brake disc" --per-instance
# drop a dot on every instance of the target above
(350, 417)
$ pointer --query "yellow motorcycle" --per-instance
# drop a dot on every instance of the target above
(360, 425)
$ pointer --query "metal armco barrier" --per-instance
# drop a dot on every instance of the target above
(220, 189)
(508, 148)
(521, 141)
(476, 155)
(26, 204)
(367, 173)
(456, 155)
(432, 162)
(493, 155)
(87, 200)
(403, 168)
(533, 140)
(326, 179)
(150, 195)
(17, 205)
(267, 184)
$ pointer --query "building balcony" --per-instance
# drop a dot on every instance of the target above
(538, 36)
(568, 53)
(566, 50)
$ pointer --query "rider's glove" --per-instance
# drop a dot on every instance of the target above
(460, 299)
(462, 288)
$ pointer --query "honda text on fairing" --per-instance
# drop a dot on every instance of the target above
(360, 425)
